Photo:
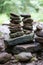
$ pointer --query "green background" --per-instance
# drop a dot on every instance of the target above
(33, 7)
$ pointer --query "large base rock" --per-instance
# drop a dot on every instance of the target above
(20, 40)
(25, 48)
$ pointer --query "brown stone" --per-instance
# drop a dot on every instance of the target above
(28, 24)
(39, 39)
(25, 15)
(15, 26)
(14, 18)
(27, 27)
(39, 28)
(12, 25)
(13, 30)
(14, 15)
(4, 57)
(28, 20)
(25, 48)
(27, 31)
(39, 33)
(15, 21)
(17, 34)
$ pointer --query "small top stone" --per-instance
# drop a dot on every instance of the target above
(14, 15)
(25, 15)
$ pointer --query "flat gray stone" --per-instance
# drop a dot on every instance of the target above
(20, 40)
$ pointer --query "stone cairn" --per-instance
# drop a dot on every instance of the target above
(15, 27)
(23, 54)
(27, 24)
(39, 35)
(16, 30)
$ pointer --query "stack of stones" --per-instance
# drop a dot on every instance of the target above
(39, 33)
(15, 27)
(27, 24)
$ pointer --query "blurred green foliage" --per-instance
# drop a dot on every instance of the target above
(33, 7)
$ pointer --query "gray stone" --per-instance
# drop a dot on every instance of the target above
(20, 40)
(2, 45)
(24, 56)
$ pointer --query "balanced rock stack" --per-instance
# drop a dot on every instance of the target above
(18, 33)
(24, 43)
(39, 35)
(15, 27)
(27, 24)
